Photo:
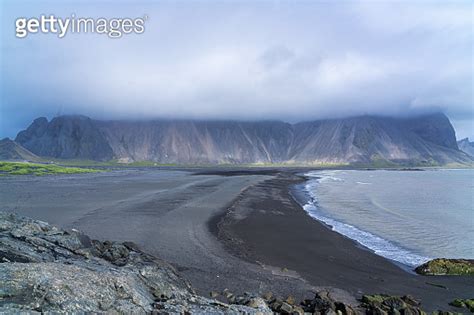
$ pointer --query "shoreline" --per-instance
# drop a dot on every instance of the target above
(385, 213)
(253, 230)
(302, 197)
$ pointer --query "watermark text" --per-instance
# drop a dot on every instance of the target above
(113, 27)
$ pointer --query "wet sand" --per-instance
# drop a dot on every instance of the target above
(236, 229)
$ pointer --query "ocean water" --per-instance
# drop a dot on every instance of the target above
(406, 216)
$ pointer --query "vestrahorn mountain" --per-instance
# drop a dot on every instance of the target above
(422, 140)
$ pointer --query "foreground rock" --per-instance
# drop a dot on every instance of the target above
(443, 266)
(321, 303)
(466, 303)
(46, 269)
(386, 304)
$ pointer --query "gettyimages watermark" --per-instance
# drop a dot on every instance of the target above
(113, 27)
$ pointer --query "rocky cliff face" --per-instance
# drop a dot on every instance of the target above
(67, 137)
(199, 141)
(426, 140)
(369, 139)
(466, 146)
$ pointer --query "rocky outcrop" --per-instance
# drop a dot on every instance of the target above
(12, 151)
(443, 266)
(387, 304)
(45, 269)
(466, 146)
(424, 140)
(324, 303)
(464, 303)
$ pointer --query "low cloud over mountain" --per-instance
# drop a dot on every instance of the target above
(282, 60)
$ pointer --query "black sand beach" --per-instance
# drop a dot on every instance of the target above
(265, 224)
(166, 212)
(226, 228)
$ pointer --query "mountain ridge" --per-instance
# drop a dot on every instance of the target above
(466, 146)
(12, 151)
(426, 140)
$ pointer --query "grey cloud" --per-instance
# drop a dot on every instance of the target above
(264, 60)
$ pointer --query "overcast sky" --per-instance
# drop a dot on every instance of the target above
(287, 60)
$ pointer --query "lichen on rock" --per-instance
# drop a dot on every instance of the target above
(464, 303)
(444, 266)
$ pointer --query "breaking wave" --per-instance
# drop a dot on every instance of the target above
(377, 244)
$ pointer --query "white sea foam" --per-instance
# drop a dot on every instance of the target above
(327, 176)
(379, 245)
